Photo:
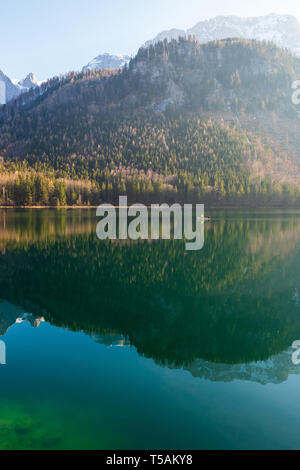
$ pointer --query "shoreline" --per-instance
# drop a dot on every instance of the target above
(48, 207)
(210, 208)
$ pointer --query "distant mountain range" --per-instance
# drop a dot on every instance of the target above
(10, 88)
(107, 61)
(283, 30)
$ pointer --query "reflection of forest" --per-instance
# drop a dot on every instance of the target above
(30, 225)
(232, 302)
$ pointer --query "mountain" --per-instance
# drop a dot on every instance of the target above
(283, 30)
(167, 34)
(29, 82)
(184, 121)
(10, 89)
(107, 61)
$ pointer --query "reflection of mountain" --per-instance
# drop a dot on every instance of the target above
(231, 303)
(111, 339)
(11, 314)
(274, 370)
(8, 315)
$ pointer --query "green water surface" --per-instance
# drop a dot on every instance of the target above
(143, 345)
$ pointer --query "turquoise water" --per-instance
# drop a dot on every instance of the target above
(142, 345)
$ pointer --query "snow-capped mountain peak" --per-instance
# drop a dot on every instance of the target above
(12, 88)
(29, 82)
(107, 61)
(283, 30)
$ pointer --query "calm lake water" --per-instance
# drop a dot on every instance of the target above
(143, 345)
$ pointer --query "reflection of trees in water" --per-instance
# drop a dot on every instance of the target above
(32, 225)
(229, 303)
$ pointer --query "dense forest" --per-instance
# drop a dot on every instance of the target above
(165, 128)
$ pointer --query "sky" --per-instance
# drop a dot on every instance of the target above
(49, 37)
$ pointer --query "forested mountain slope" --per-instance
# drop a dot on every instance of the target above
(184, 120)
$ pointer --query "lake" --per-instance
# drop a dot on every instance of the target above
(144, 345)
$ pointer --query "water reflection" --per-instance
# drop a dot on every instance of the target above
(230, 311)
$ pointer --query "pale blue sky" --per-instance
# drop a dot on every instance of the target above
(52, 36)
